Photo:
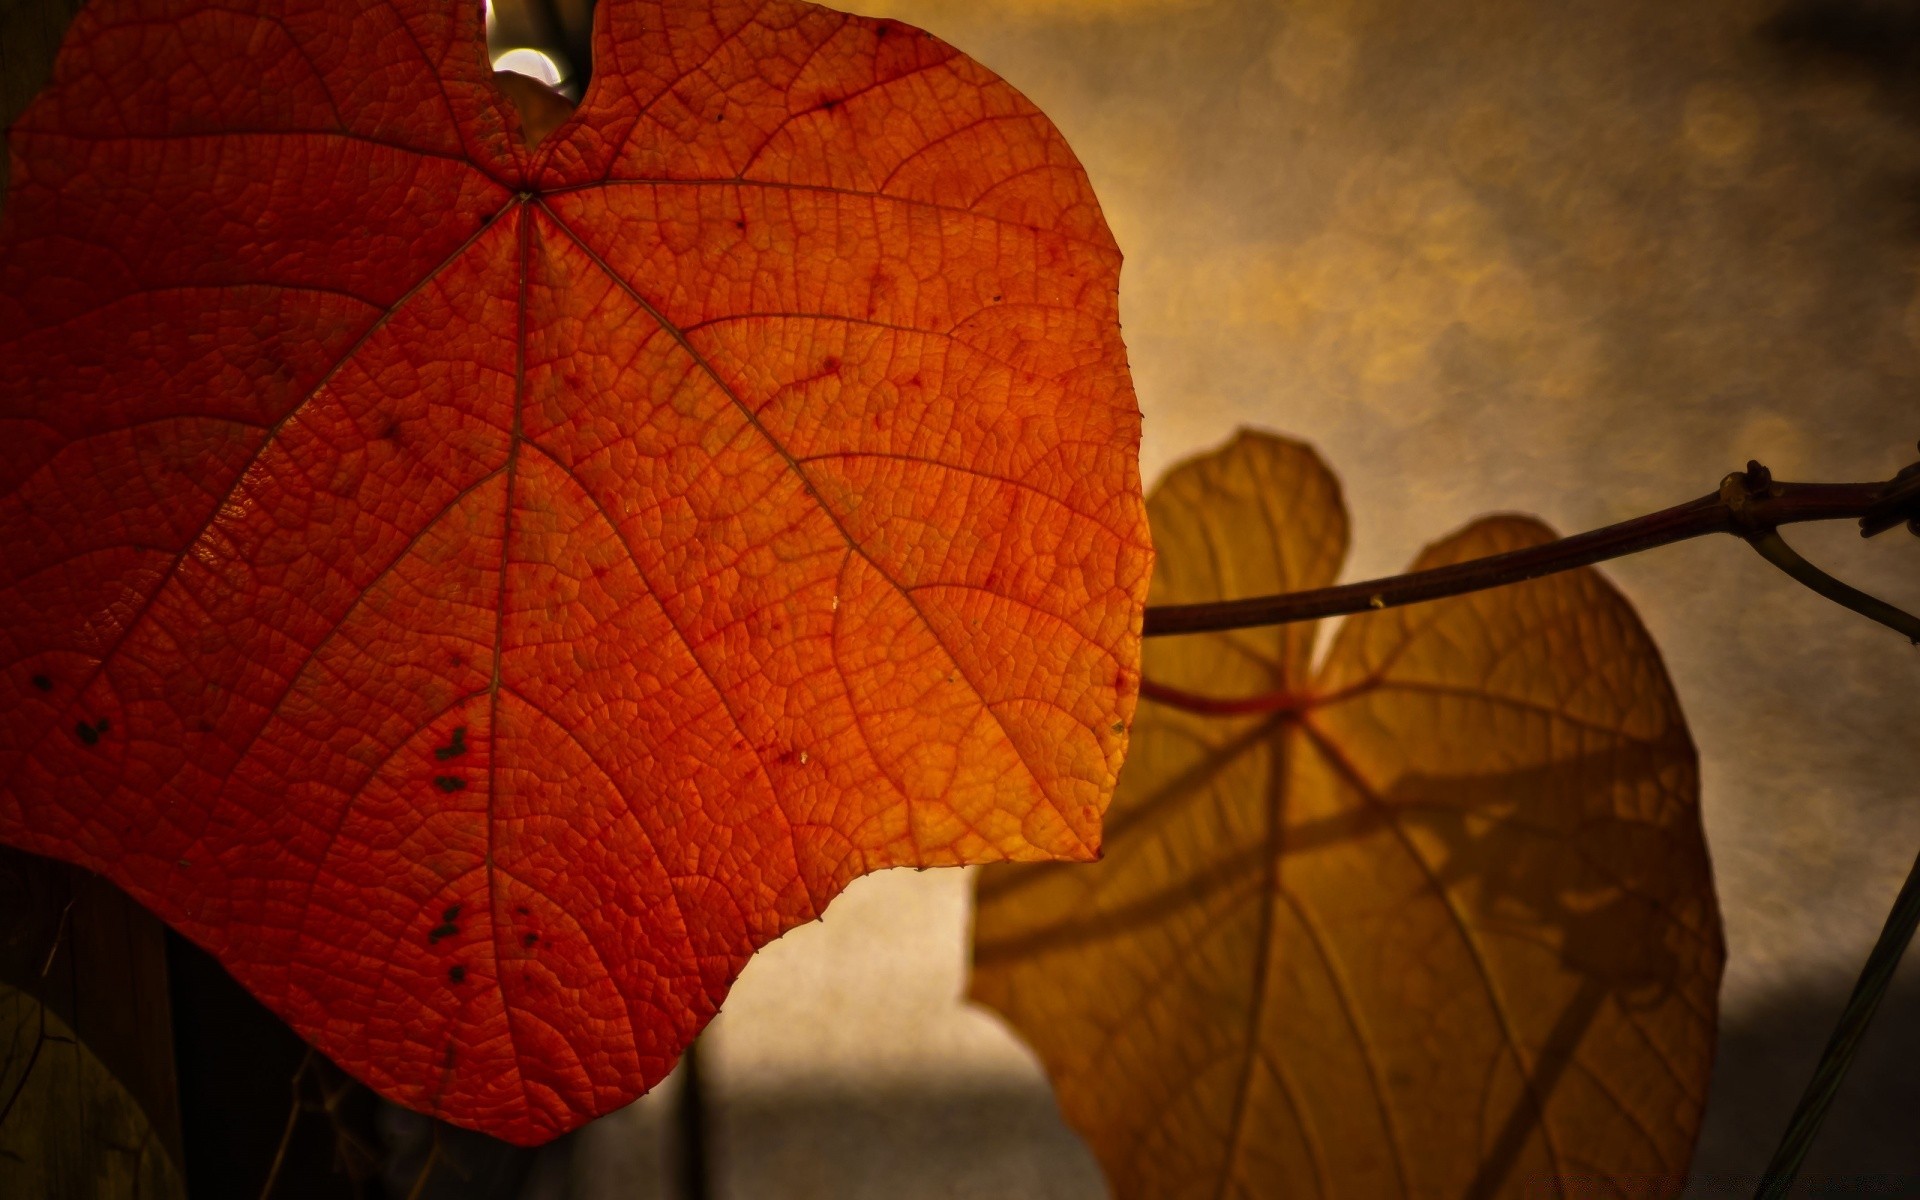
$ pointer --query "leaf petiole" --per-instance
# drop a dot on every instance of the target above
(1775, 550)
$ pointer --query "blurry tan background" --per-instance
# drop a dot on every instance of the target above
(1571, 258)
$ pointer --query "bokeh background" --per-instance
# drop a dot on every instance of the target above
(1577, 258)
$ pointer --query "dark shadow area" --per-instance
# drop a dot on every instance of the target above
(237, 1064)
(242, 1072)
(1870, 1144)
(1878, 37)
(895, 1143)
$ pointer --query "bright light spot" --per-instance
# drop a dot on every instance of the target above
(489, 16)
(529, 62)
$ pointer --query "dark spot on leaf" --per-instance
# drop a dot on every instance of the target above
(454, 748)
(456, 972)
(86, 733)
(452, 913)
(830, 366)
(883, 31)
(529, 940)
(43, 683)
(102, 725)
(447, 1058)
(828, 104)
(521, 909)
(449, 783)
(440, 931)
(739, 224)
(996, 299)
(457, 661)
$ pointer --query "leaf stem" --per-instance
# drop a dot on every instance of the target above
(1748, 504)
(1775, 550)
(1821, 1089)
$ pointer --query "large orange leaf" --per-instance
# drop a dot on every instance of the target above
(482, 593)
(1434, 919)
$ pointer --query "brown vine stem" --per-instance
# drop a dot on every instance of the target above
(1750, 504)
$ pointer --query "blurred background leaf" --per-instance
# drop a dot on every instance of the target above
(1431, 919)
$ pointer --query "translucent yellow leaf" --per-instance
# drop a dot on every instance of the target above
(1433, 920)
(71, 1129)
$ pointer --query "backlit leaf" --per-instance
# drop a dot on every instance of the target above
(1434, 919)
(482, 585)
(72, 1129)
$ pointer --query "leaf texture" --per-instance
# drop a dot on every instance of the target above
(484, 592)
(1434, 919)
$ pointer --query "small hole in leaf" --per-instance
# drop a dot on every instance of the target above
(549, 42)
(535, 64)
(457, 973)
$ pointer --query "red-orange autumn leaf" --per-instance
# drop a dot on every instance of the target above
(1432, 918)
(481, 592)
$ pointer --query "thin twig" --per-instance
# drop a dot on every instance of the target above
(1775, 550)
(286, 1135)
(1821, 1089)
(1747, 503)
(426, 1168)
